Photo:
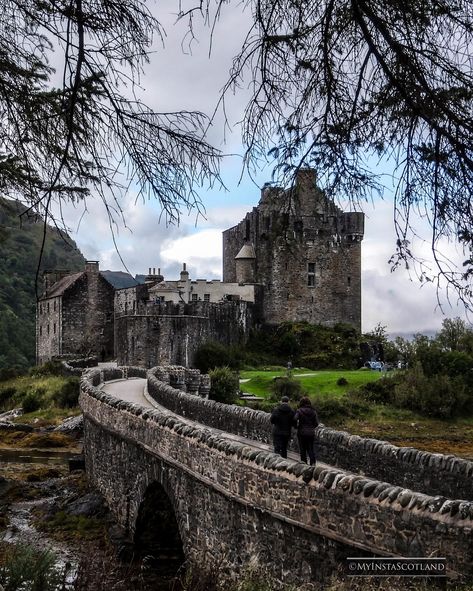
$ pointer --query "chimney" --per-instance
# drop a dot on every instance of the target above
(92, 267)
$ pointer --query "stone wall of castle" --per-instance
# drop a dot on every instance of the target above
(169, 333)
(308, 255)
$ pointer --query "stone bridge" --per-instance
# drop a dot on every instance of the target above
(195, 479)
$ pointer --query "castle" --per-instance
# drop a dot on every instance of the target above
(294, 257)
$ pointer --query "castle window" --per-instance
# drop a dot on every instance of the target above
(48, 328)
(48, 307)
(40, 331)
(194, 297)
(206, 297)
(54, 305)
(41, 308)
(349, 281)
(54, 328)
(311, 274)
(134, 305)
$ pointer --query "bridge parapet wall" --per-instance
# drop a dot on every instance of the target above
(241, 484)
(434, 474)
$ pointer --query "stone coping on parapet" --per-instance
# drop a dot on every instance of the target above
(447, 511)
(431, 473)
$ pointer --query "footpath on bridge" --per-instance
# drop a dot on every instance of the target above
(135, 390)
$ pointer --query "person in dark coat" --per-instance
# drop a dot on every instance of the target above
(306, 421)
(282, 419)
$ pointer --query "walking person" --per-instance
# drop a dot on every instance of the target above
(282, 419)
(306, 421)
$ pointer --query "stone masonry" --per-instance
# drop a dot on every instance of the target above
(75, 315)
(304, 250)
(234, 503)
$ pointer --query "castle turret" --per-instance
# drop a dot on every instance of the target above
(245, 264)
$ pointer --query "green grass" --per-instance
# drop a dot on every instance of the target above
(313, 382)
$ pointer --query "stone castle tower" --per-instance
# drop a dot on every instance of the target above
(304, 250)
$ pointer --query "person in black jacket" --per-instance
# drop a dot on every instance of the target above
(282, 419)
(306, 421)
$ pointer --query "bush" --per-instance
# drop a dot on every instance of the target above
(27, 568)
(9, 373)
(284, 386)
(7, 394)
(224, 385)
(32, 401)
(68, 395)
(331, 409)
(211, 355)
(50, 368)
(438, 396)
(378, 392)
(342, 382)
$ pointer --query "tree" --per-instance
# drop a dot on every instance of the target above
(84, 129)
(338, 83)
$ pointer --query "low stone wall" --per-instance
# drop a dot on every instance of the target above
(434, 474)
(217, 485)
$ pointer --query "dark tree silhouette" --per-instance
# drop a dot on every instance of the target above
(340, 84)
(83, 129)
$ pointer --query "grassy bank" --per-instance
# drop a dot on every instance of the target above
(313, 382)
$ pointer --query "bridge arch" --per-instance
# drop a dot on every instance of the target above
(156, 532)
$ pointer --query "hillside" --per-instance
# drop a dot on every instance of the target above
(120, 279)
(20, 242)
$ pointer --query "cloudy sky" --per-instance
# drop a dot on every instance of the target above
(179, 78)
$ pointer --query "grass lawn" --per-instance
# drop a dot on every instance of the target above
(313, 382)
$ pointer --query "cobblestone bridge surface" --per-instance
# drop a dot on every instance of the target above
(191, 475)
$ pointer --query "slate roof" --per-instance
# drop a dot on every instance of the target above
(62, 285)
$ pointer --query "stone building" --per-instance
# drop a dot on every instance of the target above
(166, 321)
(75, 314)
(304, 250)
(294, 257)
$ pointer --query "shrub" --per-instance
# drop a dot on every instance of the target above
(342, 382)
(331, 409)
(7, 394)
(9, 373)
(27, 568)
(68, 395)
(438, 396)
(50, 368)
(224, 385)
(211, 355)
(378, 392)
(32, 401)
(284, 386)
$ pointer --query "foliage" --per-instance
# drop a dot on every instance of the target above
(313, 346)
(211, 355)
(438, 395)
(19, 248)
(342, 381)
(67, 396)
(224, 385)
(32, 401)
(284, 386)
(28, 568)
(50, 368)
(86, 131)
(336, 408)
(44, 392)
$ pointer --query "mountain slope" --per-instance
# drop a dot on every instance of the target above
(20, 243)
